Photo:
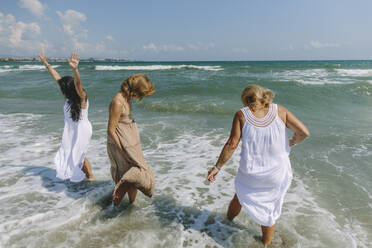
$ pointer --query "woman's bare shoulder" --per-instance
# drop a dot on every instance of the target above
(282, 109)
(240, 116)
(117, 101)
(282, 112)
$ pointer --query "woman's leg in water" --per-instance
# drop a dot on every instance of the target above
(119, 193)
(267, 234)
(87, 168)
(132, 193)
(234, 208)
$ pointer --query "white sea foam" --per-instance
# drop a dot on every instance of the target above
(322, 82)
(313, 77)
(35, 67)
(7, 68)
(355, 72)
(184, 211)
(155, 67)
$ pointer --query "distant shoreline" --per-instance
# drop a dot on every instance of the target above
(14, 59)
(19, 59)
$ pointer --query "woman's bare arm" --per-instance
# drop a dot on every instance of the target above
(300, 131)
(230, 146)
(116, 108)
(50, 69)
(74, 63)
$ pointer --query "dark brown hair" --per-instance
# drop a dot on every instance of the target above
(67, 87)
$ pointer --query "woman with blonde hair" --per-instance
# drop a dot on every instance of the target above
(129, 169)
(265, 173)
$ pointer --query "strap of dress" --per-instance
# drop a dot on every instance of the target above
(260, 122)
(244, 111)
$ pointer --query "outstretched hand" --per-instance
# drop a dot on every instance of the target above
(42, 56)
(74, 61)
(212, 173)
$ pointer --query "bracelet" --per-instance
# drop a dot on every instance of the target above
(216, 168)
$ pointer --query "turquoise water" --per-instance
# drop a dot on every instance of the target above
(183, 128)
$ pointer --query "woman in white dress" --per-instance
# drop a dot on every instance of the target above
(265, 173)
(70, 159)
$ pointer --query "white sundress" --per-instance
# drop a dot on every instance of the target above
(265, 172)
(75, 140)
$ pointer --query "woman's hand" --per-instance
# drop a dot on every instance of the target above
(50, 69)
(74, 61)
(43, 57)
(212, 173)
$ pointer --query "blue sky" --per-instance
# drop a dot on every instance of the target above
(189, 29)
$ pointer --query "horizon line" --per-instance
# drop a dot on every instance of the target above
(33, 59)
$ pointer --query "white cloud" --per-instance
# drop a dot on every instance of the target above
(20, 30)
(242, 50)
(318, 44)
(77, 37)
(71, 24)
(150, 47)
(291, 47)
(200, 46)
(110, 38)
(34, 6)
(18, 35)
(177, 48)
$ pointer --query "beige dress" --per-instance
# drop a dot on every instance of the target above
(128, 165)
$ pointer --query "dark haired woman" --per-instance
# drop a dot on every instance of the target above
(70, 159)
(129, 169)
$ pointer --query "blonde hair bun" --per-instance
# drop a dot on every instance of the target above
(256, 97)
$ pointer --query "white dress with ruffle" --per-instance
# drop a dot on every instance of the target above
(75, 140)
(265, 172)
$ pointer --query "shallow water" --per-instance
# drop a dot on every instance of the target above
(183, 127)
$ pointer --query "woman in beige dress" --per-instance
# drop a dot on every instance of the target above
(129, 169)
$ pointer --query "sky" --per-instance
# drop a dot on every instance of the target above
(182, 30)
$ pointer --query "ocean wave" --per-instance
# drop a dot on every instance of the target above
(34, 67)
(156, 67)
(314, 77)
(182, 107)
(6, 68)
(321, 82)
(355, 72)
(10, 68)
(312, 73)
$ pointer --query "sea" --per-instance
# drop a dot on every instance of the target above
(183, 128)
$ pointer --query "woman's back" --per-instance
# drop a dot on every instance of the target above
(83, 113)
(264, 141)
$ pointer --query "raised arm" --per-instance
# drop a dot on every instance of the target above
(74, 63)
(115, 111)
(50, 69)
(300, 131)
(230, 146)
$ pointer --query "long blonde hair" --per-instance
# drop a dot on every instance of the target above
(138, 84)
(256, 97)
